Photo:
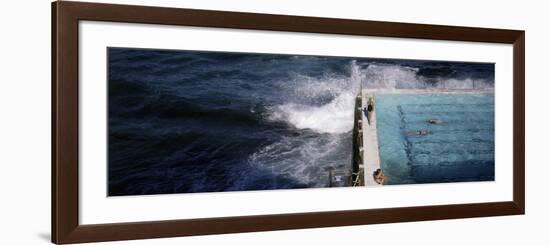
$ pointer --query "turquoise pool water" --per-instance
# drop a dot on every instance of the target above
(460, 146)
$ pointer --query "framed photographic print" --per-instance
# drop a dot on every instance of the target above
(174, 122)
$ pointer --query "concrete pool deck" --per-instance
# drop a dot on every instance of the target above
(371, 151)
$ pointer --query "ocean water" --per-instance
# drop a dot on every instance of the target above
(461, 147)
(191, 121)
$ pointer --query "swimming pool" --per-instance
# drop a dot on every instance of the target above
(459, 145)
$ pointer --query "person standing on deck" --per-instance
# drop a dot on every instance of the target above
(366, 114)
(369, 109)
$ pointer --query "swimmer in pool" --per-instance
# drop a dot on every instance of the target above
(435, 121)
(419, 132)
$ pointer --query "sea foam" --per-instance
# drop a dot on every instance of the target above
(336, 116)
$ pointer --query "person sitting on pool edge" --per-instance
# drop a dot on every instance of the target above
(379, 177)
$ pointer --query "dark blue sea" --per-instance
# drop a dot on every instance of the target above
(191, 121)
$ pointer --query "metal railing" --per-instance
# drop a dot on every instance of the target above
(358, 178)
